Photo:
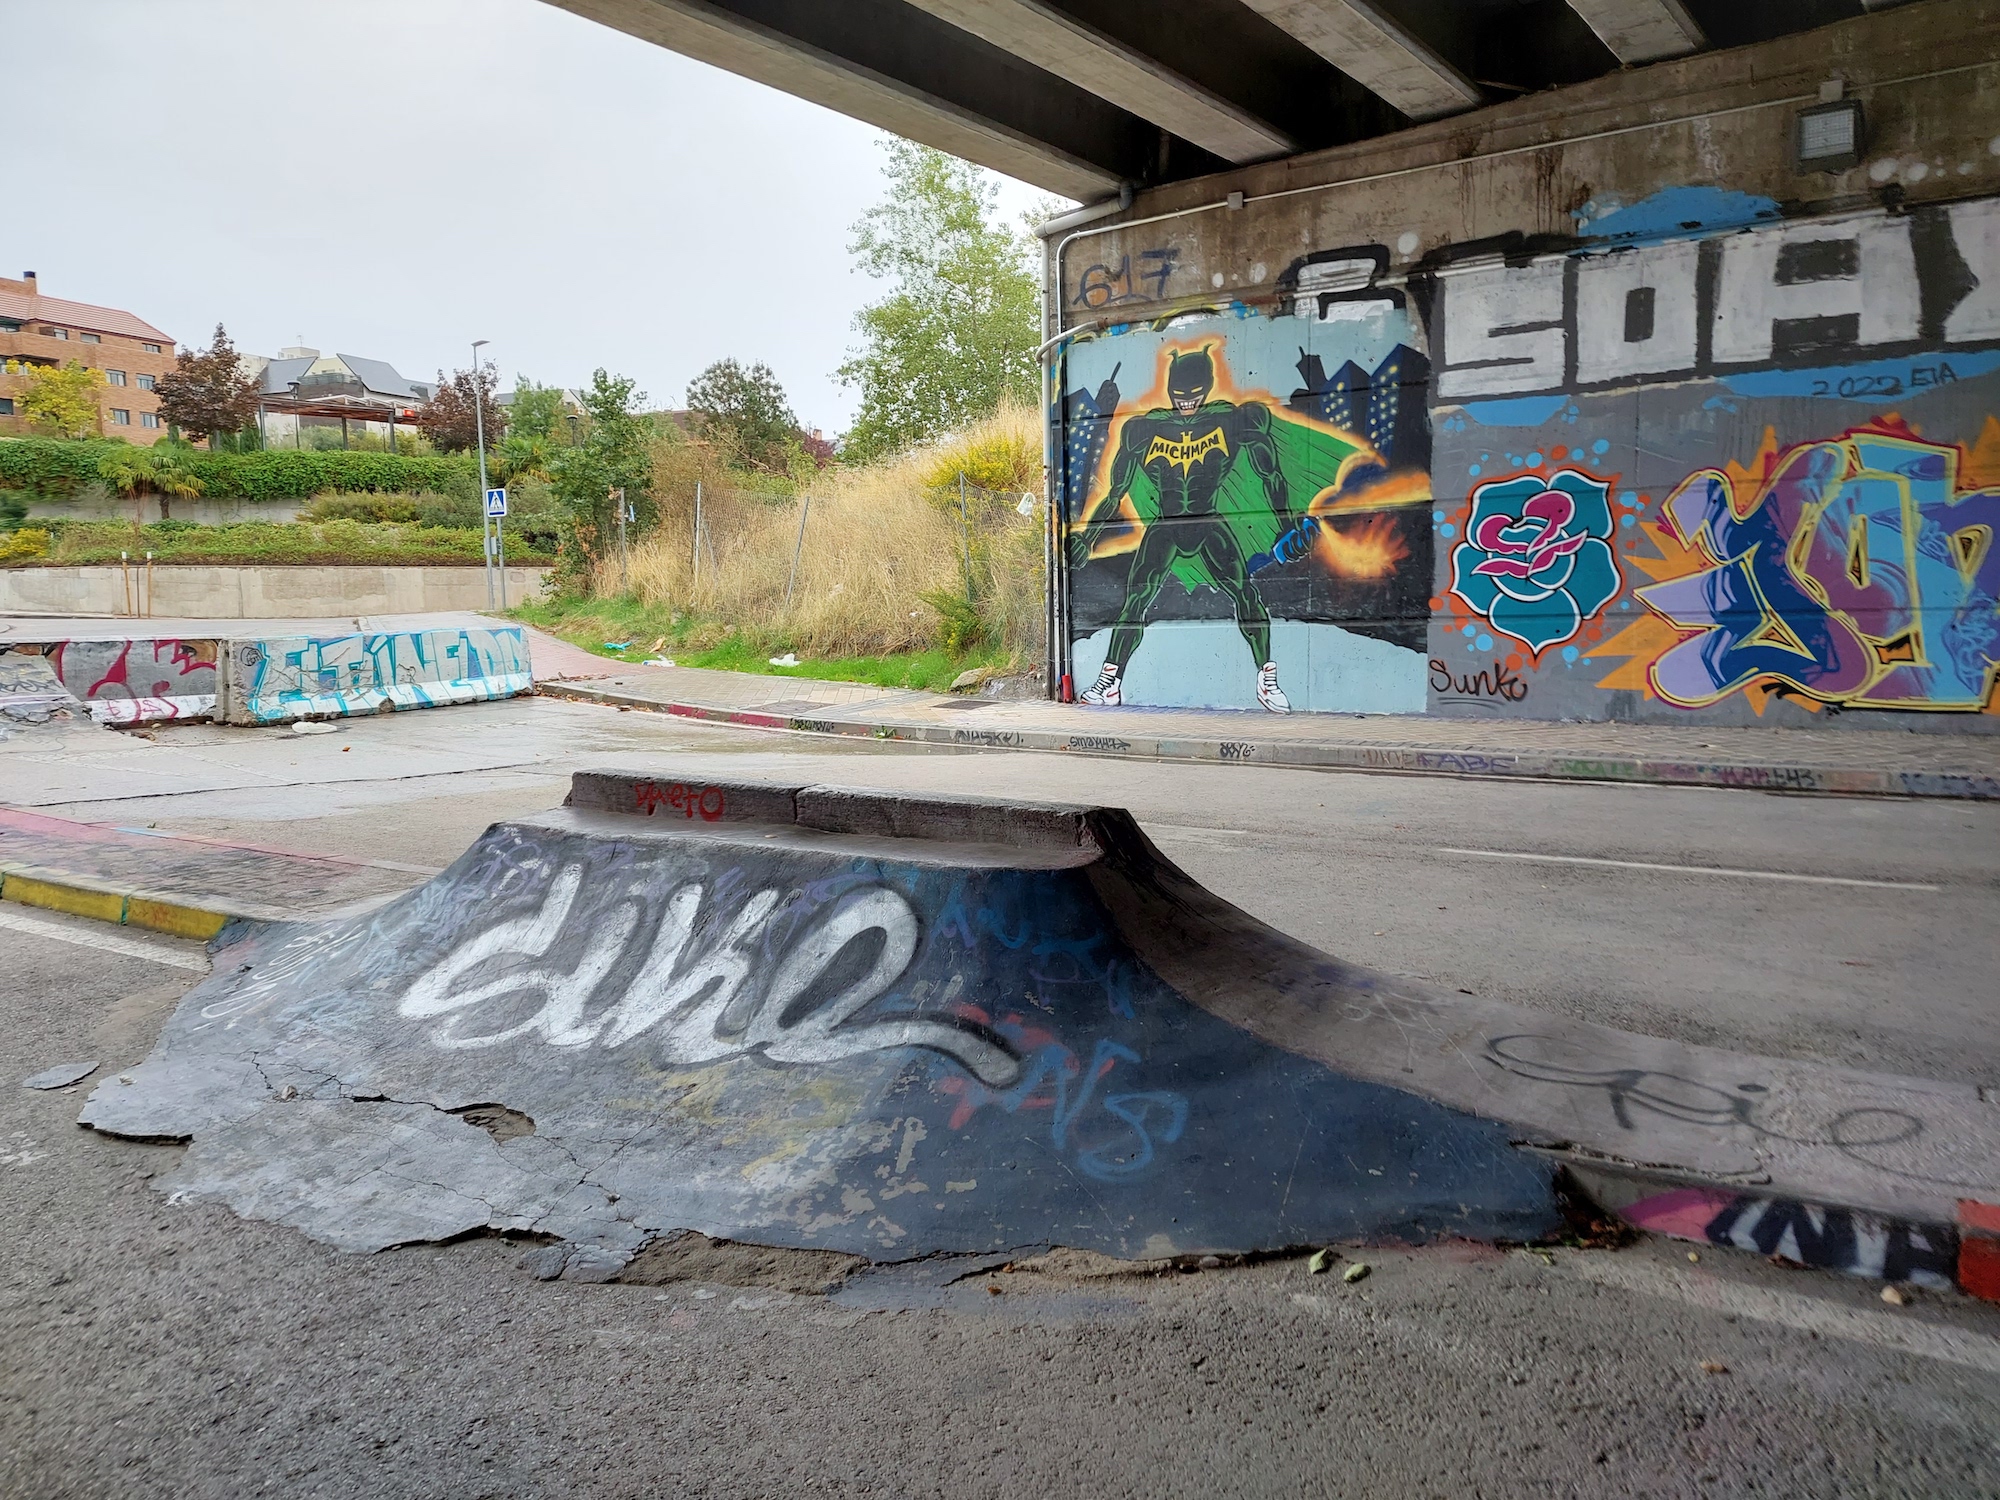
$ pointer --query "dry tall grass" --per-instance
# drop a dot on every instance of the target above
(877, 539)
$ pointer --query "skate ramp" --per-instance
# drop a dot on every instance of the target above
(892, 1026)
(792, 1016)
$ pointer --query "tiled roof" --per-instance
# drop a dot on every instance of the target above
(78, 315)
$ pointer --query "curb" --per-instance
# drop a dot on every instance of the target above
(77, 897)
(1396, 759)
(1963, 1255)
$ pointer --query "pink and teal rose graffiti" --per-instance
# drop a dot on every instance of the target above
(1536, 561)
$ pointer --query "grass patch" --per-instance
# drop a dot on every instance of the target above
(650, 630)
(73, 543)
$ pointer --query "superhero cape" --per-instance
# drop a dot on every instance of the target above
(1310, 456)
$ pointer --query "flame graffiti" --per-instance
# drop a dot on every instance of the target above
(1370, 550)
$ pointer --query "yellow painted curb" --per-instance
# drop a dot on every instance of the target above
(77, 900)
(172, 918)
(104, 906)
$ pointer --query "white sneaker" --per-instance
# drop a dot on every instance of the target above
(1269, 694)
(1103, 692)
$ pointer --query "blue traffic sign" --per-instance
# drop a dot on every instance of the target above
(496, 503)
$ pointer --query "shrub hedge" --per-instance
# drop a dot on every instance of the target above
(54, 467)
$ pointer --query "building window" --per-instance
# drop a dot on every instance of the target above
(91, 338)
(117, 377)
(151, 348)
(148, 382)
(120, 417)
(56, 333)
(6, 406)
(149, 419)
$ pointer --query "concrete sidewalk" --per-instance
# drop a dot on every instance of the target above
(175, 883)
(1867, 762)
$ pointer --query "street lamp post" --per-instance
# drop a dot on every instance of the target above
(479, 426)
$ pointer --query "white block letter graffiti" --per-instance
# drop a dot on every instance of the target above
(1503, 329)
(696, 999)
(1814, 288)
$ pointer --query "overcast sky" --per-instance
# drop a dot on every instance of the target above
(395, 178)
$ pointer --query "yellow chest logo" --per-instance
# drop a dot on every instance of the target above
(1187, 450)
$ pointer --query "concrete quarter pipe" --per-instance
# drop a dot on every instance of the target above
(806, 1018)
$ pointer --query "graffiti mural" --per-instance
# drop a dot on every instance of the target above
(1536, 561)
(319, 676)
(1699, 459)
(1248, 529)
(1782, 436)
(1856, 571)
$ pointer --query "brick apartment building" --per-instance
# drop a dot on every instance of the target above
(133, 355)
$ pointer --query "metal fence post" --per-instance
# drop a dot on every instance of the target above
(965, 535)
(797, 547)
(697, 536)
(624, 558)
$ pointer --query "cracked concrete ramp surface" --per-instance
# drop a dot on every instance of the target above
(889, 1026)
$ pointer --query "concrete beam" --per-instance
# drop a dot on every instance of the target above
(1642, 31)
(969, 100)
(1375, 52)
(1086, 57)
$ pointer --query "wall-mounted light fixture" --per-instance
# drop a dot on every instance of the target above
(1831, 135)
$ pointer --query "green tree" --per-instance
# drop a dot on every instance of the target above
(61, 399)
(537, 425)
(957, 334)
(207, 391)
(614, 452)
(746, 412)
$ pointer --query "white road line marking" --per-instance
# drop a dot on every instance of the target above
(1903, 1334)
(110, 942)
(1639, 864)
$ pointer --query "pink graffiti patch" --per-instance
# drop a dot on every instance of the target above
(1684, 1213)
(1535, 539)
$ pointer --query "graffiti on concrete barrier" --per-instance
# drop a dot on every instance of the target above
(1536, 561)
(1858, 571)
(692, 996)
(314, 676)
(138, 681)
(706, 802)
(1834, 1239)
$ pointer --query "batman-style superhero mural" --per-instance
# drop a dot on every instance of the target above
(1219, 490)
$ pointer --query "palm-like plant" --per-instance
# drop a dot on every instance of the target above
(138, 472)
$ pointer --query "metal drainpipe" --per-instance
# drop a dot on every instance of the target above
(1048, 375)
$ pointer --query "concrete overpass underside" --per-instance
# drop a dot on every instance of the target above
(1088, 97)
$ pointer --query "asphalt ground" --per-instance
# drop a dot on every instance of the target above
(160, 1348)
(155, 1348)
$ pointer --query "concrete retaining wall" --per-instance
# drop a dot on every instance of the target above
(1589, 406)
(98, 504)
(232, 593)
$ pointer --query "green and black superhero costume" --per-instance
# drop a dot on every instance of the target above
(1221, 489)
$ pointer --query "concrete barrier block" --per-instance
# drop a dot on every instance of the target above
(310, 677)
